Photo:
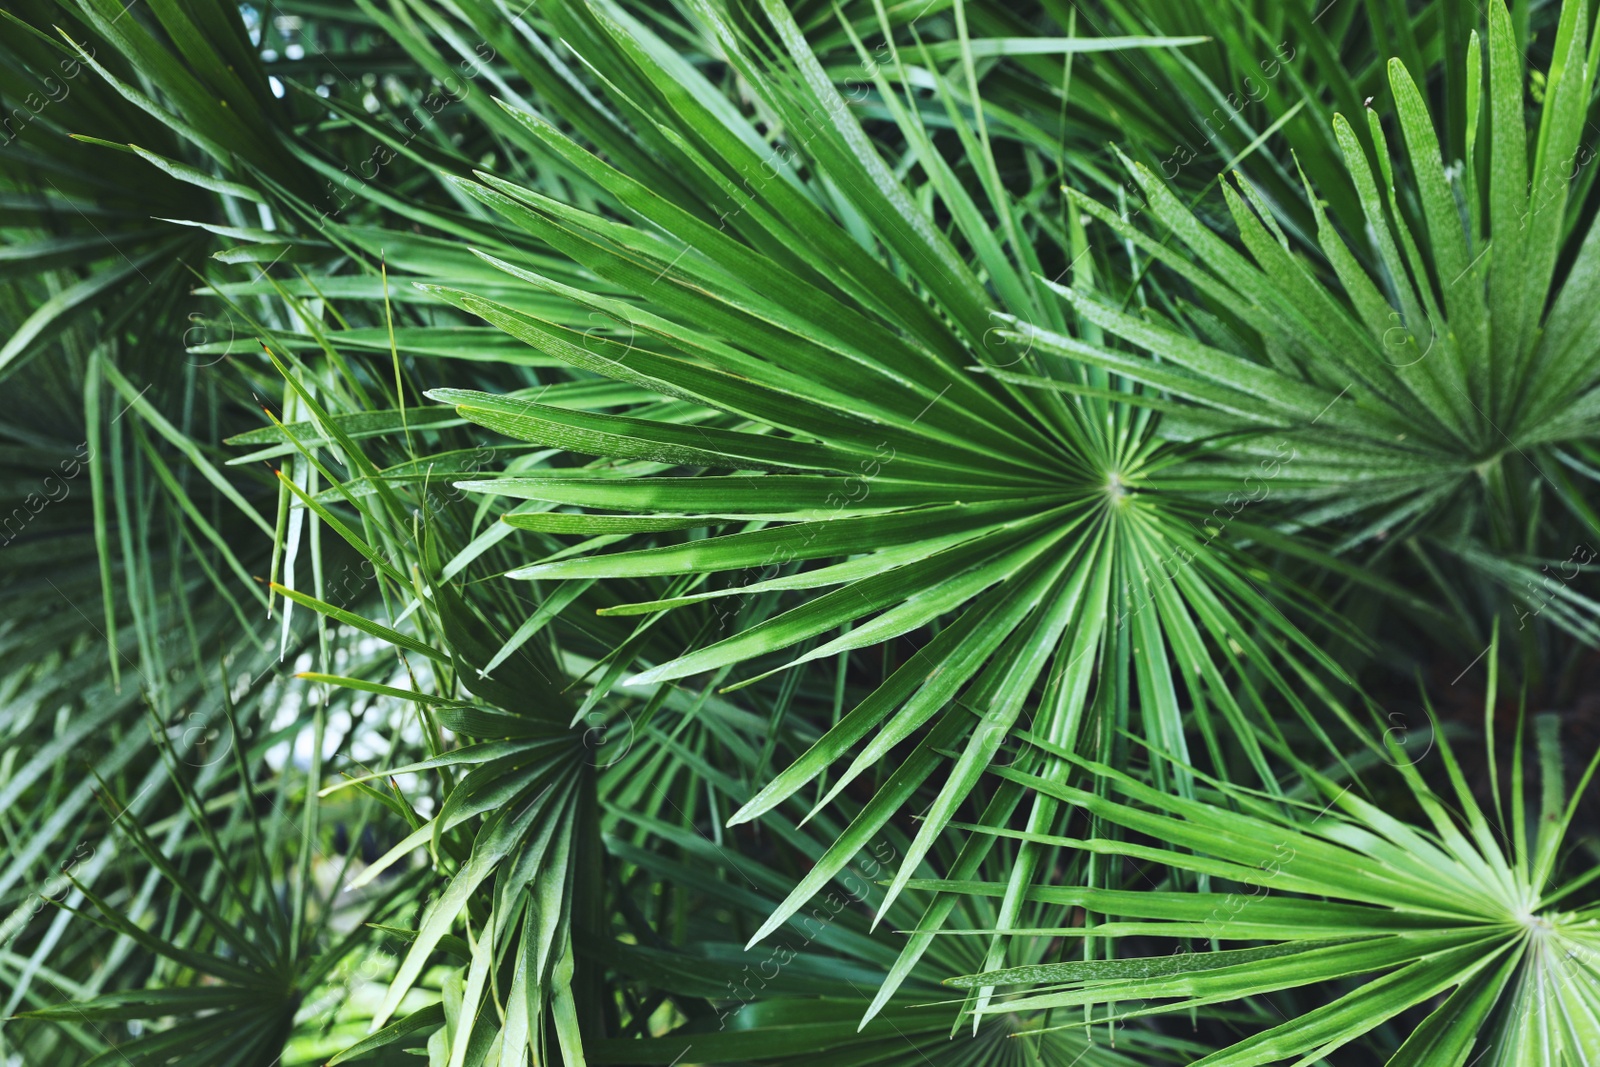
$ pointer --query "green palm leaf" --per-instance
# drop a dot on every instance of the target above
(1464, 921)
(1430, 372)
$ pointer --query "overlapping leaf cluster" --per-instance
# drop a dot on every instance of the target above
(770, 511)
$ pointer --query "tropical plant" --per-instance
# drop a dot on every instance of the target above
(622, 532)
(1442, 394)
(1462, 916)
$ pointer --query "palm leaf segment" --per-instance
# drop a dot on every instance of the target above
(241, 935)
(801, 994)
(1463, 918)
(517, 824)
(909, 490)
(1438, 395)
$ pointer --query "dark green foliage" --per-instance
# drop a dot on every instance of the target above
(750, 532)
